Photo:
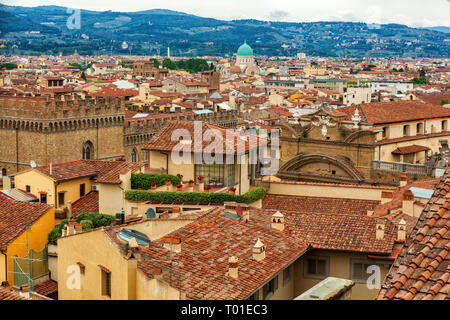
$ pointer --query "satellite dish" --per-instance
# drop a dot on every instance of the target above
(32, 164)
(124, 45)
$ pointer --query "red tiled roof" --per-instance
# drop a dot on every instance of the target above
(15, 216)
(305, 204)
(422, 269)
(104, 171)
(87, 203)
(207, 244)
(47, 288)
(163, 140)
(6, 294)
(341, 232)
(410, 149)
(395, 111)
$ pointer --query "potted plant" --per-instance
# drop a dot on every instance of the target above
(201, 179)
(191, 183)
(179, 175)
(153, 186)
(179, 187)
(168, 181)
(231, 190)
(207, 188)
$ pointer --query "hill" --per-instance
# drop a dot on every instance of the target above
(150, 32)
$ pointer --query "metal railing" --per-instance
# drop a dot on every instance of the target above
(410, 168)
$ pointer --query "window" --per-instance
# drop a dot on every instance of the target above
(358, 270)
(4, 172)
(133, 155)
(406, 130)
(43, 197)
(61, 198)
(385, 132)
(270, 287)
(316, 267)
(444, 125)
(419, 128)
(106, 283)
(82, 189)
(213, 173)
(286, 275)
(27, 188)
(88, 150)
(146, 155)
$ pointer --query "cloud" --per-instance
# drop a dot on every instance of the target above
(278, 15)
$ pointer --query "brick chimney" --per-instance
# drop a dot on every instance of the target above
(386, 196)
(278, 221)
(172, 243)
(259, 250)
(380, 230)
(408, 203)
(401, 230)
(403, 179)
(233, 267)
(25, 291)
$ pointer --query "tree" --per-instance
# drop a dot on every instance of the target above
(8, 66)
(422, 73)
(156, 63)
(421, 80)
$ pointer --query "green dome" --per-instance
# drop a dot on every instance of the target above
(245, 50)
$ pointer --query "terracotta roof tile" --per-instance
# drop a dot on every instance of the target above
(395, 111)
(15, 216)
(47, 288)
(426, 252)
(87, 203)
(6, 294)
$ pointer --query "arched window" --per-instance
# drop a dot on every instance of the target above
(88, 150)
(133, 155)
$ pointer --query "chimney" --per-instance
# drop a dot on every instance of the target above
(278, 221)
(244, 208)
(172, 243)
(380, 230)
(401, 230)
(233, 267)
(408, 203)
(78, 227)
(25, 291)
(176, 212)
(386, 196)
(70, 228)
(51, 168)
(259, 250)
(403, 179)
(69, 209)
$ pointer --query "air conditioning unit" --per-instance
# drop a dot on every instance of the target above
(95, 187)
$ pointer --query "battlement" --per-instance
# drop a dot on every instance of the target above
(157, 120)
(67, 107)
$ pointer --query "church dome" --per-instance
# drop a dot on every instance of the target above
(245, 50)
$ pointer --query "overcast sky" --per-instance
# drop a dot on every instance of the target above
(414, 13)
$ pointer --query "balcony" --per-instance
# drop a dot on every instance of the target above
(418, 169)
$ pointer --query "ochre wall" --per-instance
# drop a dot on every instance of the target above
(339, 268)
(103, 252)
(37, 239)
